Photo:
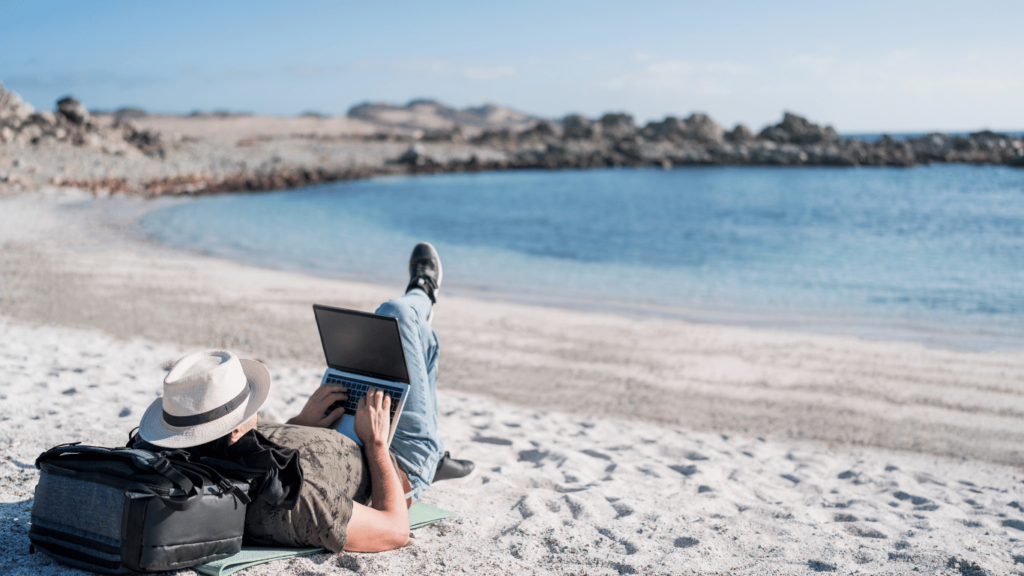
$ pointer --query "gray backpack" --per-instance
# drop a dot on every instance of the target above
(123, 510)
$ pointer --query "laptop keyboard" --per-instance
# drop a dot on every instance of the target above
(357, 390)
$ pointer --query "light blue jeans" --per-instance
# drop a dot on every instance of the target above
(417, 445)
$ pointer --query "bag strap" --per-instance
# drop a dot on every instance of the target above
(226, 486)
(164, 467)
(176, 503)
(193, 493)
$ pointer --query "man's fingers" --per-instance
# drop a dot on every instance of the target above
(341, 394)
(331, 389)
(332, 418)
(386, 404)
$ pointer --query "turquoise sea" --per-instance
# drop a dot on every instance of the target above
(932, 254)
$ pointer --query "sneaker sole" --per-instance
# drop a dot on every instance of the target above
(458, 481)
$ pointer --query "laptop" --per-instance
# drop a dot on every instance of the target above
(362, 350)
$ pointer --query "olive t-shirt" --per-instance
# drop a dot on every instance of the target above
(334, 473)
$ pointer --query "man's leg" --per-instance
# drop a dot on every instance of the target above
(417, 444)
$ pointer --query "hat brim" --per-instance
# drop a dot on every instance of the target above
(154, 430)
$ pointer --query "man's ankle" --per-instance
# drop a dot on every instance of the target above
(424, 284)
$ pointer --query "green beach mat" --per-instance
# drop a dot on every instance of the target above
(420, 515)
(252, 557)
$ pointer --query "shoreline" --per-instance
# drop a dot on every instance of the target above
(930, 333)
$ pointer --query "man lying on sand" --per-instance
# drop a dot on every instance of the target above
(210, 403)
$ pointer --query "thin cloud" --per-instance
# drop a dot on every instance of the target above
(679, 77)
(435, 68)
(69, 81)
(902, 72)
(488, 73)
(309, 70)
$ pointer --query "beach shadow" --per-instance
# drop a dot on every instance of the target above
(14, 525)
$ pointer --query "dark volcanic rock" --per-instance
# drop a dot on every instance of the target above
(499, 137)
(73, 110)
(149, 142)
(415, 155)
(698, 128)
(740, 135)
(577, 127)
(454, 136)
(617, 126)
(542, 131)
(797, 130)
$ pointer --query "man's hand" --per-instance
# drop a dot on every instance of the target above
(373, 418)
(316, 413)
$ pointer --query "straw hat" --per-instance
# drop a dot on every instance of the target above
(206, 395)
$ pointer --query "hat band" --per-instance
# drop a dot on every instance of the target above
(183, 421)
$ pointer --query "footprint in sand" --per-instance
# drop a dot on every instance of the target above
(493, 440)
(688, 470)
(819, 566)
(621, 545)
(1015, 524)
(920, 502)
(622, 510)
(685, 542)
(865, 532)
(533, 455)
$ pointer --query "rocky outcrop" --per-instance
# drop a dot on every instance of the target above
(72, 110)
(617, 126)
(71, 123)
(614, 140)
(796, 130)
(699, 128)
(740, 135)
(579, 127)
(13, 110)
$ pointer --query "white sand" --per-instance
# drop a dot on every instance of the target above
(88, 314)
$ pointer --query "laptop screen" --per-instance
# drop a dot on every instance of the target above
(367, 344)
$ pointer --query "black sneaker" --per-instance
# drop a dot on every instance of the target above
(425, 270)
(451, 469)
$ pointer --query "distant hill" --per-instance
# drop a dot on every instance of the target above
(432, 115)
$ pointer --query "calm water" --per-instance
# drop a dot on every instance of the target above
(933, 253)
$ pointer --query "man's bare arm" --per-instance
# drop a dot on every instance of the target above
(385, 526)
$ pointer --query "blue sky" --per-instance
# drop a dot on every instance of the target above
(860, 66)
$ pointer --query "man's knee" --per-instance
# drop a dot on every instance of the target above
(403, 311)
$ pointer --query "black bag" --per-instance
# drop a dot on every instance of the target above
(119, 510)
